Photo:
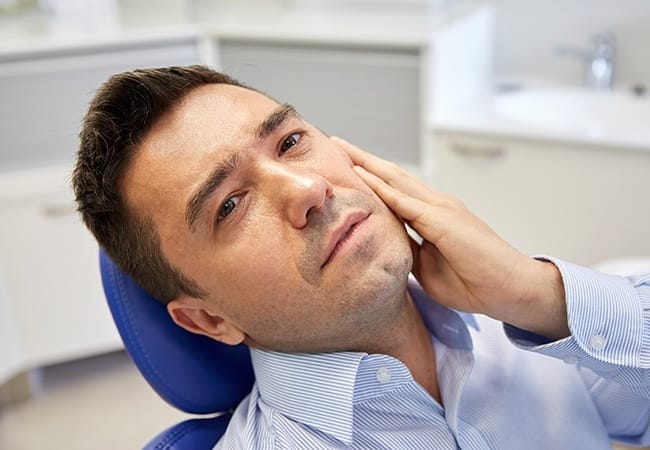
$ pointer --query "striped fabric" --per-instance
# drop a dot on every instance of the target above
(500, 390)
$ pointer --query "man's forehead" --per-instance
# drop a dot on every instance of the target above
(227, 91)
(227, 102)
(210, 117)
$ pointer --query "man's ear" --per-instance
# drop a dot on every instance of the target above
(191, 314)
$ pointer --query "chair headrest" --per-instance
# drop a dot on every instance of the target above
(191, 372)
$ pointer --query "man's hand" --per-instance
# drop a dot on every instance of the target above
(462, 263)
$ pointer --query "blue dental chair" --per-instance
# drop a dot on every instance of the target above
(193, 373)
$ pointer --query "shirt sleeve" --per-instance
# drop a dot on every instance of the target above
(609, 320)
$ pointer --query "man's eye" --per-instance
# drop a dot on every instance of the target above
(227, 207)
(289, 142)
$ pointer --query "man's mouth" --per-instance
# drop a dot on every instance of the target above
(343, 235)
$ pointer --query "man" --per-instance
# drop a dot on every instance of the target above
(253, 226)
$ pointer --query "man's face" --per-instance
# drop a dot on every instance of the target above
(266, 215)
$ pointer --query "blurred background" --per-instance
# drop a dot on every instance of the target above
(536, 114)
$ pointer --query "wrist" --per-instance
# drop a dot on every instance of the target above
(542, 307)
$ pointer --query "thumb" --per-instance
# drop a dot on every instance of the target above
(415, 251)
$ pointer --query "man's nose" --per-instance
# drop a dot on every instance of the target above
(297, 192)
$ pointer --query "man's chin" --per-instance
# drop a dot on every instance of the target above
(389, 277)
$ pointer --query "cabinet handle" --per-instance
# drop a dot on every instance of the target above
(59, 210)
(478, 151)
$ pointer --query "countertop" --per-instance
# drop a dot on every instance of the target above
(481, 117)
(355, 23)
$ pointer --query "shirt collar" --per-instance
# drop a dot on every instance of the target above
(447, 325)
(319, 389)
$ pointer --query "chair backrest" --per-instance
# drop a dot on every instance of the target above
(193, 373)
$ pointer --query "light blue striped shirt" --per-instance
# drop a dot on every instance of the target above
(502, 388)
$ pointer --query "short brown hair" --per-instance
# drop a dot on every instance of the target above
(122, 112)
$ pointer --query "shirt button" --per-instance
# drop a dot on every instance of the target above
(597, 342)
(383, 375)
(570, 359)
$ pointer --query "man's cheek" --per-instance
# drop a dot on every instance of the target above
(266, 259)
(252, 274)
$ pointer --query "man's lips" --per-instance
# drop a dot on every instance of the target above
(342, 233)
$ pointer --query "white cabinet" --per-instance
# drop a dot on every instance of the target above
(50, 273)
(583, 204)
(51, 299)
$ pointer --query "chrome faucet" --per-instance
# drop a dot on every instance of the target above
(599, 60)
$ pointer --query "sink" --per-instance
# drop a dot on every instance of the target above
(576, 109)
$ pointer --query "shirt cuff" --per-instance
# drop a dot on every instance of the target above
(608, 319)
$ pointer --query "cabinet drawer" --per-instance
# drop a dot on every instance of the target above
(44, 99)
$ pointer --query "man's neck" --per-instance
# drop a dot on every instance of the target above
(410, 342)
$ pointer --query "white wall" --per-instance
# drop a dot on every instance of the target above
(528, 32)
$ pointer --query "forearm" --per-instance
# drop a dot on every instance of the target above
(609, 320)
(542, 308)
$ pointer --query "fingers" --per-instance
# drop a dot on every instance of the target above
(405, 206)
(358, 156)
(428, 265)
(415, 251)
(425, 210)
(389, 172)
(428, 220)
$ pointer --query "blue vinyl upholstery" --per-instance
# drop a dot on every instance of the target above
(193, 373)
(191, 434)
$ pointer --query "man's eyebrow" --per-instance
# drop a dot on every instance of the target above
(275, 120)
(216, 178)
